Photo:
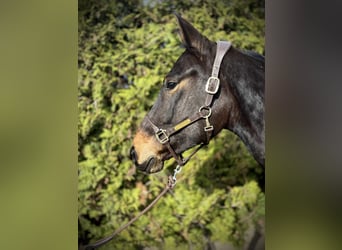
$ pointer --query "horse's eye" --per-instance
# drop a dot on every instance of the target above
(171, 85)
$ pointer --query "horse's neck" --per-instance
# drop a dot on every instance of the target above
(246, 83)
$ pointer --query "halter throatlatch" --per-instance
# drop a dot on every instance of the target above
(211, 88)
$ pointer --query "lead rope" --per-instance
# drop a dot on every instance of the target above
(172, 180)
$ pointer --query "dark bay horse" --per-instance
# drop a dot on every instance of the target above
(191, 109)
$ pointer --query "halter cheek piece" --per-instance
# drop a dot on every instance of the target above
(204, 112)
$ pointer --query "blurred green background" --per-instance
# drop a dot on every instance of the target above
(124, 51)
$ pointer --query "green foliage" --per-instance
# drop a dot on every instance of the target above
(125, 50)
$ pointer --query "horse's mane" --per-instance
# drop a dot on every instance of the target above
(254, 55)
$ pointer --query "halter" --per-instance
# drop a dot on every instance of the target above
(204, 112)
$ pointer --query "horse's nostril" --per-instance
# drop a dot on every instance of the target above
(133, 155)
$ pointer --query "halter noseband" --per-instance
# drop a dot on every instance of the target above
(204, 112)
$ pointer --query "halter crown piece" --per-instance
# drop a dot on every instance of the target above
(204, 112)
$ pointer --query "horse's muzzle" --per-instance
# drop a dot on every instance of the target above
(151, 165)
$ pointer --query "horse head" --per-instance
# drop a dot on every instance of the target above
(190, 109)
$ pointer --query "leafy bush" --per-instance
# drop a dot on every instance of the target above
(125, 50)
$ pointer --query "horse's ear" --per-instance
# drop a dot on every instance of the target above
(191, 38)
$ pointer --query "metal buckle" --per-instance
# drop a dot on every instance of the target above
(162, 136)
(208, 128)
(212, 85)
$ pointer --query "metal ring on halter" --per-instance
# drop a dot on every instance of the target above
(208, 109)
